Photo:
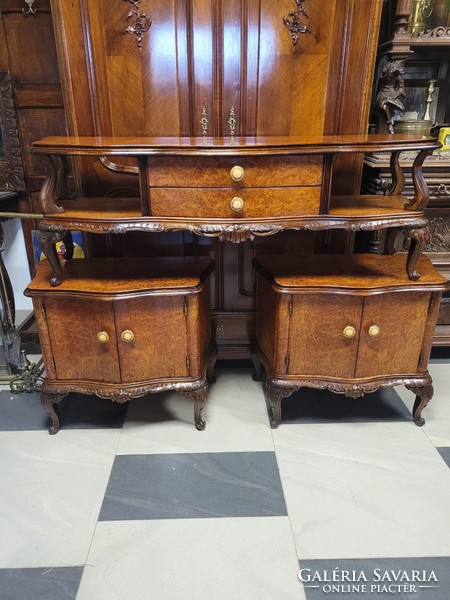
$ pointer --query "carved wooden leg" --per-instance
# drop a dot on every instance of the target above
(199, 397)
(50, 404)
(274, 396)
(47, 241)
(423, 396)
(419, 238)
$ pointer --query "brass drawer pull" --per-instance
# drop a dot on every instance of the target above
(237, 173)
(374, 330)
(349, 332)
(127, 335)
(102, 337)
(237, 204)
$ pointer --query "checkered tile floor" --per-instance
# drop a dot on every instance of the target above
(131, 502)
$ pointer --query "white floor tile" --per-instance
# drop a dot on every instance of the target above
(51, 492)
(364, 490)
(235, 414)
(198, 559)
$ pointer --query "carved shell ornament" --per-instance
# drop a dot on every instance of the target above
(139, 22)
(293, 24)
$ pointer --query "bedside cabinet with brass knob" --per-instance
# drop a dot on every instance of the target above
(351, 324)
(124, 328)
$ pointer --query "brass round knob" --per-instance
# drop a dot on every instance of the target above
(127, 335)
(237, 173)
(349, 331)
(102, 337)
(374, 330)
(237, 204)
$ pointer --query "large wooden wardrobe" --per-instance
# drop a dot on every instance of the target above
(213, 68)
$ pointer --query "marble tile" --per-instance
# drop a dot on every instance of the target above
(23, 412)
(47, 583)
(363, 490)
(181, 486)
(437, 413)
(51, 492)
(235, 414)
(321, 406)
(420, 578)
(208, 559)
(445, 453)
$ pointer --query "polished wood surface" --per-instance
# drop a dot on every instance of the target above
(248, 146)
(359, 273)
(105, 278)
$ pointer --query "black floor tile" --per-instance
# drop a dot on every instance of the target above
(182, 486)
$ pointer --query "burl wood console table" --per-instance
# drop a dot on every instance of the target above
(234, 190)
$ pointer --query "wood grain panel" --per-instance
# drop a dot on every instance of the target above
(209, 172)
(317, 345)
(25, 48)
(159, 326)
(258, 202)
(401, 318)
(74, 325)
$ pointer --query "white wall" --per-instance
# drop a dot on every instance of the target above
(15, 258)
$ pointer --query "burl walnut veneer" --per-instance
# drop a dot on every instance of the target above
(124, 328)
(349, 324)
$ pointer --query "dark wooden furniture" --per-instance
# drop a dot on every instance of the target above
(123, 328)
(349, 324)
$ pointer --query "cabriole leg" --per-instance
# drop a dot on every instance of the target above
(47, 241)
(50, 404)
(199, 397)
(274, 395)
(419, 239)
(423, 396)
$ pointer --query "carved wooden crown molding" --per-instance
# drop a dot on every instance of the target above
(293, 24)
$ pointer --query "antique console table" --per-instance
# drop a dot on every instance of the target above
(234, 190)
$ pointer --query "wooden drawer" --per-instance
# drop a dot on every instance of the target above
(260, 171)
(257, 202)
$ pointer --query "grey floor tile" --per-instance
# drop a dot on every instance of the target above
(445, 453)
(432, 576)
(40, 584)
(179, 486)
(320, 406)
(23, 412)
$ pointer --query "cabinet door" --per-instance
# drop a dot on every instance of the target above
(158, 348)
(77, 351)
(317, 344)
(401, 319)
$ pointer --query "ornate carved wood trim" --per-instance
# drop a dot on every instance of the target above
(11, 166)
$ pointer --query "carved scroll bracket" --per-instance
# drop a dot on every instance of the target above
(141, 22)
(293, 24)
